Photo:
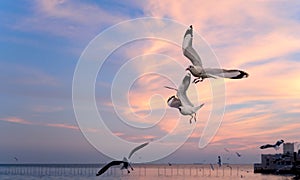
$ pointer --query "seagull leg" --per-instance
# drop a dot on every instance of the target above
(196, 80)
(195, 117)
(131, 167)
(191, 119)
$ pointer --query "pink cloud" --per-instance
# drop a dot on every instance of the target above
(16, 120)
(62, 125)
(27, 122)
(118, 134)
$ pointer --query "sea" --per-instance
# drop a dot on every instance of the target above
(140, 172)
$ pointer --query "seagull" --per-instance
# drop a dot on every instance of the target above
(275, 146)
(227, 150)
(197, 69)
(125, 162)
(219, 161)
(238, 154)
(115, 163)
(212, 167)
(182, 102)
(16, 158)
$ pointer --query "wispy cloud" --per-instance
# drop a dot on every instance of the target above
(46, 108)
(16, 120)
(19, 120)
(67, 18)
(259, 43)
(61, 125)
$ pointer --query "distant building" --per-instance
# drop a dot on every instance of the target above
(278, 163)
(288, 148)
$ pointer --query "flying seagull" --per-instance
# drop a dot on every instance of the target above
(16, 158)
(275, 146)
(182, 102)
(125, 162)
(238, 154)
(197, 69)
(115, 163)
(227, 150)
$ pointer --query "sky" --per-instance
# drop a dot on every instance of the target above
(43, 41)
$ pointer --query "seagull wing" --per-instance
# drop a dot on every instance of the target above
(188, 50)
(174, 102)
(137, 148)
(266, 146)
(224, 73)
(107, 166)
(181, 93)
(278, 143)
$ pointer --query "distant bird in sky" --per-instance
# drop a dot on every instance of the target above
(227, 150)
(16, 159)
(275, 146)
(238, 154)
(125, 161)
(182, 102)
(219, 161)
(197, 69)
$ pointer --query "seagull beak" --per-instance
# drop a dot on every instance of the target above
(187, 69)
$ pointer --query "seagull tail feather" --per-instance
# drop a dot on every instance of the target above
(198, 107)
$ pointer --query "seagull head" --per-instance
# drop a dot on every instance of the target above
(189, 68)
(170, 98)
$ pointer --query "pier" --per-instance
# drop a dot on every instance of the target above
(88, 170)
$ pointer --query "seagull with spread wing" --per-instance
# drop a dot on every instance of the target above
(125, 163)
(182, 102)
(275, 146)
(197, 69)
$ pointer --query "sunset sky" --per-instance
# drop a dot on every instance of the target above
(41, 43)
